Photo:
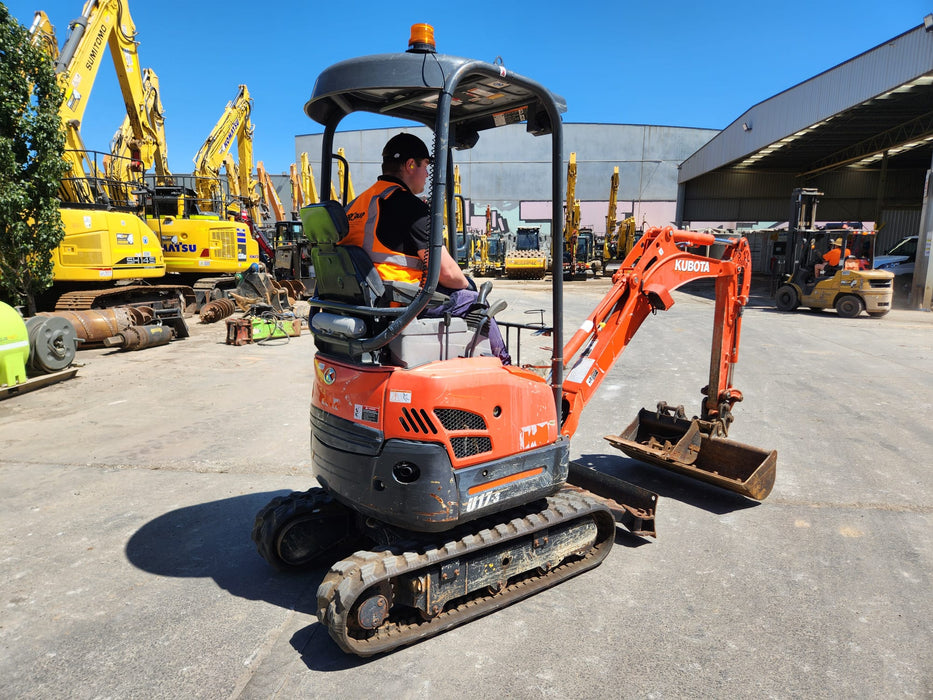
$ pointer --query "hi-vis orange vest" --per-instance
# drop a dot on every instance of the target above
(363, 214)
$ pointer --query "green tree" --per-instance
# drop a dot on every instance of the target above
(32, 144)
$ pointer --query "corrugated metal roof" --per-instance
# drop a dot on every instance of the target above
(878, 100)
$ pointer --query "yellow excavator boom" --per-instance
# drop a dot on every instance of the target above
(611, 213)
(42, 34)
(268, 193)
(308, 185)
(124, 143)
(234, 123)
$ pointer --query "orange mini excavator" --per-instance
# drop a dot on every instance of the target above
(444, 476)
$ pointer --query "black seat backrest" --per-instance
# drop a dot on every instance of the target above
(343, 273)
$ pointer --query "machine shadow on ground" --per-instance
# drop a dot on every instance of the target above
(668, 484)
(212, 540)
(319, 652)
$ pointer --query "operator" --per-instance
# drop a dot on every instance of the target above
(834, 254)
(394, 227)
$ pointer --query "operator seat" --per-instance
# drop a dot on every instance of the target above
(345, 273)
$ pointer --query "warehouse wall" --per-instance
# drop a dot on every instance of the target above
(509, 170)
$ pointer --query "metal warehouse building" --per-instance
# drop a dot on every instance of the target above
(861, 132)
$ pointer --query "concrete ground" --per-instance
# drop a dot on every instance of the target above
(127, 495)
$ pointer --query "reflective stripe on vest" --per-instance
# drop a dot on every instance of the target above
(391, 264)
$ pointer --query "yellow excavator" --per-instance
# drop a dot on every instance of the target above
(574, 262)
(118, 225)
(234, 124)
(106, 240)
(620, 235)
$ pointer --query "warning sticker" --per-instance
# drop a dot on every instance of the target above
(579, 373)
(366, 413)
(512, 116)
(399, 397)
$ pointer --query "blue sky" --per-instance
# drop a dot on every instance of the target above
(670, 63)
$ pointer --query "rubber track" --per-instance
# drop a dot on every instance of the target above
(349, 579)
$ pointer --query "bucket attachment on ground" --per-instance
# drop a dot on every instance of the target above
(688, 447)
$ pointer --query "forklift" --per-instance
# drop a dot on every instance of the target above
(831, 267)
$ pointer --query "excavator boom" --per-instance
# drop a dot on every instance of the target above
(150, 149)
(269, 195)
(611, 214)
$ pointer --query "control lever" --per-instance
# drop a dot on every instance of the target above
(486, 316)
(484, 290)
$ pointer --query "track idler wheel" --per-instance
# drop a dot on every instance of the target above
(301, 529)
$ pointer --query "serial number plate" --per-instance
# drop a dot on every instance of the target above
(140, 260)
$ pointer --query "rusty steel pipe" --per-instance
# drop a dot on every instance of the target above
(96, 325)
(140, 337)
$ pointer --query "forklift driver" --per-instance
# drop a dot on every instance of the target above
(834, 255)
(831, 259)
(393, 226)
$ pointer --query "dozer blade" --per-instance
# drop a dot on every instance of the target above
(682, 446)
(631, 505)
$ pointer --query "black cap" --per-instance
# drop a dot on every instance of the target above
(401, 147)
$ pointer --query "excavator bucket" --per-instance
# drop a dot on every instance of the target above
(686, 447)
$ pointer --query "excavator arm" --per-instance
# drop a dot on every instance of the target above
(150, 150)
(298, 195)
(659, 263)
(571, 216)
(308, 185)
(268, 194)
(42, 34)
(102, 24)
(234, 123)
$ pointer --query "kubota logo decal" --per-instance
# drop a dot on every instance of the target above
(691, 265)
(326, 374)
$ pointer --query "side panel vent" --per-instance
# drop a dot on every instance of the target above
(468, 446)
(417, 421)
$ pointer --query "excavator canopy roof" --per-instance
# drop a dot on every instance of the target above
(407, 86)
